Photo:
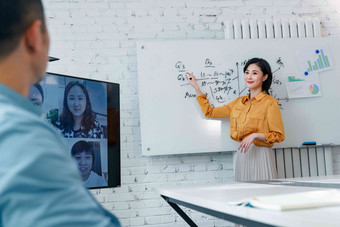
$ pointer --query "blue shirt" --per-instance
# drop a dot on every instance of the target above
(40, 184)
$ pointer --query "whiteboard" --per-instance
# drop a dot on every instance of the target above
(171, 119)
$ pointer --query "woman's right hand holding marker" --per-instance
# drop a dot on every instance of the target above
(193, 81)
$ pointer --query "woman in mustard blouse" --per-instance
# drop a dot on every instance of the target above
(255, 122)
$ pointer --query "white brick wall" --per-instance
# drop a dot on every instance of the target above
(96, 39)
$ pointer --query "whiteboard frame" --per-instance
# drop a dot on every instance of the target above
(150, 59)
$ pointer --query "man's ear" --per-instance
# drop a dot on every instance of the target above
(33, 37)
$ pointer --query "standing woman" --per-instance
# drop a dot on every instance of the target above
(255, 122)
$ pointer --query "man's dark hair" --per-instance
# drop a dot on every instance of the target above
(39, 87)
(15, 17)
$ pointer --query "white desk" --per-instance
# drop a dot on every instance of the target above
(213, 200)
(331, 181)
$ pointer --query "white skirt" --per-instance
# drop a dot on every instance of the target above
(258, 163)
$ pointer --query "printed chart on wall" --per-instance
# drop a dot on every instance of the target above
(303, 85)
(315, 59)
(172, 121)
(311, 62)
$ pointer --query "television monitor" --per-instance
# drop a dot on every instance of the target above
(87, 113)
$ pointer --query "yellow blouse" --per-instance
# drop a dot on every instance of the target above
(259, 115)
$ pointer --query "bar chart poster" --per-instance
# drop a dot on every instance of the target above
(316, 59)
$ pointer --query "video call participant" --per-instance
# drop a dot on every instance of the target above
(83, 153)
(77, 119)
(36, 95)
(40, 184)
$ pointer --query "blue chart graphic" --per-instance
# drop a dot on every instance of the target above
(320, 62)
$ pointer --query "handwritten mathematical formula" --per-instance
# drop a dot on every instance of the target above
(223, 84)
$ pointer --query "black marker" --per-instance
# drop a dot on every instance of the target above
(187, 74)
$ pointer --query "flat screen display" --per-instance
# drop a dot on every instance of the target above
(87, 114)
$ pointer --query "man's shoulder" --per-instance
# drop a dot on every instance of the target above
(10, 110)
(24, 129)
(19, 117)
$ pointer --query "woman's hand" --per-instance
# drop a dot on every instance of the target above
(193, 81)
(246, 142)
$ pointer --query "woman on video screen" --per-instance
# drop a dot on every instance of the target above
(83, 153)
(77, 119)
(36, 95)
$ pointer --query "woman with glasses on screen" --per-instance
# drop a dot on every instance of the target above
(77, 119)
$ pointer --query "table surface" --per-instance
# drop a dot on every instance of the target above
(332, 181)
(216, 198)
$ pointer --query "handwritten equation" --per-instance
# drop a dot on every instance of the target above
(223, 84)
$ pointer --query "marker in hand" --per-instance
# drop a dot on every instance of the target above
(188, 75)
(193, 81)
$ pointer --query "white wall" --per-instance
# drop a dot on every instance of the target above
(96, 39)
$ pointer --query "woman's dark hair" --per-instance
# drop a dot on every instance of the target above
(38, 86)
(66, 117)
(265, 68)
(82, 146)
(15, 17)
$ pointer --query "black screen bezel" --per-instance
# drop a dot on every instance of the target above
(113, 129)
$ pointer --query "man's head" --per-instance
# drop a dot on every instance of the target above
(23, 34)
